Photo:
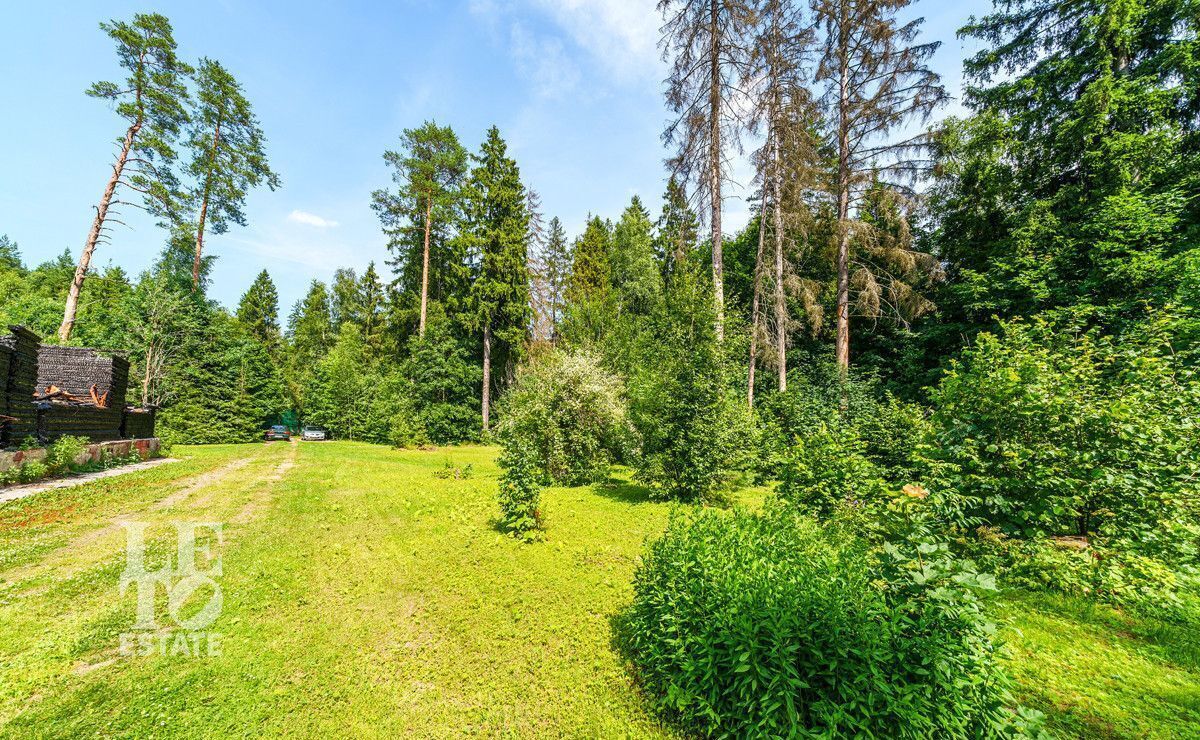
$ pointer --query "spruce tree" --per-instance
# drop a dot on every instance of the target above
(497, 229)
(676, 230)
(153, 102)
(634, 274)
(557, 265)
(312, 331)
(540, 293)
(1073, 184)
(372, 302)
(591, 268)
(10, 254)
(258, 311)
(345, 304)
(228, 154)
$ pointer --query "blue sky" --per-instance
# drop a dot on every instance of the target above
(574, 85)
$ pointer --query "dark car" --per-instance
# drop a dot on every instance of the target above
(277, 432)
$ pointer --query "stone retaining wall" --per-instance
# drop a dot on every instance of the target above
(146, 448)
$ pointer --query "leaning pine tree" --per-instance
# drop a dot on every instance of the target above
(153, 101)
(875, 80)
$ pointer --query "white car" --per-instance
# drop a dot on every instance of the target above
(312, 434)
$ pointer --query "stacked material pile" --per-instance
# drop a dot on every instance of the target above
(139, 423)
(48, 392)
(84, 390)
(19, 350)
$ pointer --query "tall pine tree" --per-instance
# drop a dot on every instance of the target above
(228, 154)
(429, 170)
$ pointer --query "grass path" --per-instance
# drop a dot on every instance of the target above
(367, 593)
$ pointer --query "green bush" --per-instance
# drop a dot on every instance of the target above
(696, 431)
(571, 412)
(1046, 429)
(407, 431)
(60, 456)
(32, 471)
(520, 492)
(891, 431)
(1120, 577)
(770, 625)
(828, 469)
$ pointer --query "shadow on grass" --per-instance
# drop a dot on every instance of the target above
(1173, 638)
(623, 491)
(621, 642)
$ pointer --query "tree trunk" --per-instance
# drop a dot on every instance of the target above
(425, 268)
(487, 375)
(754, 303)
(85, 259)
(146, 377)
(199, 244)
(714, 174)
(842, 348)
(781, 321)
(212, 163)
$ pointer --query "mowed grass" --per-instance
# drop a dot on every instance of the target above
(368, 593)
(1098, 672)
(363, 595)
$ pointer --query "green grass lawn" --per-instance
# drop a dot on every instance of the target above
(368, 593)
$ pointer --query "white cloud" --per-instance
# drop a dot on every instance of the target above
(621, 34)
(311, 219)
(544, 62)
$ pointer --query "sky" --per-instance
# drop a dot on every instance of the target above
(575, 87)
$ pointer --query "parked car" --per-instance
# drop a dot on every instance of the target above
(313, 434)
(278, 432)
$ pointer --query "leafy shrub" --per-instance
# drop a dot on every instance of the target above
(392, 416)
(1046, 429)
(1116, 576)
(828, 469)
(406, 430)
(520, 492)
(891, 431)
(771, 625)
(32, 471)
(571, 412)
(696, 432)
(61, 456)
(450, 472)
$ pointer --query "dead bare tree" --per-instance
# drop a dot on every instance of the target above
(782, 48)
(876, 81)
(708, 45)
